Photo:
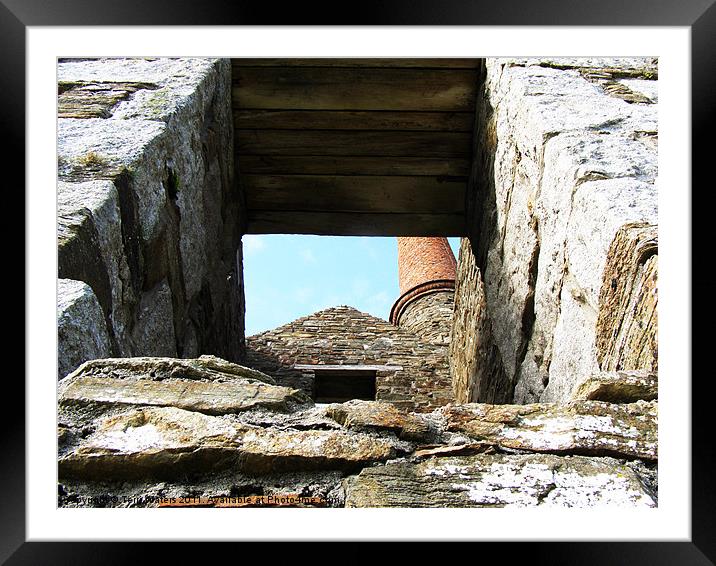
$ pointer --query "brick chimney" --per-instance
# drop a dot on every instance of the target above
(426, 269)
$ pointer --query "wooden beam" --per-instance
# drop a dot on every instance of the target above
(325, 193)
(353, 165)
(342, 142)
(473, 204)
(435, 63)
(354, 224)
(345, 120)
(311, 88)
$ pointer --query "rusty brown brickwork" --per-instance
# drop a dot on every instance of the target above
(426, 268)
(421, 260)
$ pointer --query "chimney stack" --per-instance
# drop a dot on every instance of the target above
(426, 270)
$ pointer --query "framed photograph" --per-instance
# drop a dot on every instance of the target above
(459, 131)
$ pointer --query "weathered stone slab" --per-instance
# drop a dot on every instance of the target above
(157, 368)
(500, 481)
(156, 87)
(89, 225)
(86, 99)
(81, 328)
(272, 450)
(592, 184)
(146, 168)
(305, 418)
(212, 398)
(152, 442)
(97, 148)
(582, 427)
(600, 209)
(567, 155)
(647, 88)
(626, 335)
(169, 442)
(153, 70)
(127, 424)
(619, 387)
(381, 416)
(641, 67)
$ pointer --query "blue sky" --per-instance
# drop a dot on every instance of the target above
(287, 277)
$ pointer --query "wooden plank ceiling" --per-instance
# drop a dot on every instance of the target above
(354, 146)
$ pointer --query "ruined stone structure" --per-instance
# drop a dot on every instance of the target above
(409, 372)
(524, 374)
(426, 268)
(409, 357)
(566, 171)
(148, 215)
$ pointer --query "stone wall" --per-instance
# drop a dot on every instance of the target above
(627, 323)
(429, 316)
(148, 212)
(556, 284)
(151, 432)
(345, 336)
(566, 156)
(81, 329)
(472, 349)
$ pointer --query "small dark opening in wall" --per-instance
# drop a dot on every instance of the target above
(172, 184)
(338, 386)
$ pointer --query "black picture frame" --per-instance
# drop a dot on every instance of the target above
(699, 15)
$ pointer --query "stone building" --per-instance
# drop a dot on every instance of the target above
(524, 374)
(359, 356)
(426, 270)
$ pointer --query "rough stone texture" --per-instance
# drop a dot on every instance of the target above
(563, 161)
(146, 190)
(557, 278)
(89, 226)
(167, 442)
(212, 398)
(343, 335)
(204, 367)
(168, 82)
(627, 321)
(133, 431)
(472, 348)
(618, 387)
(86, 99)
(612, 67)
(228, 483)
(429, 316)
(371, 415)
(81, 330)
(580, 427)
(500, 481)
